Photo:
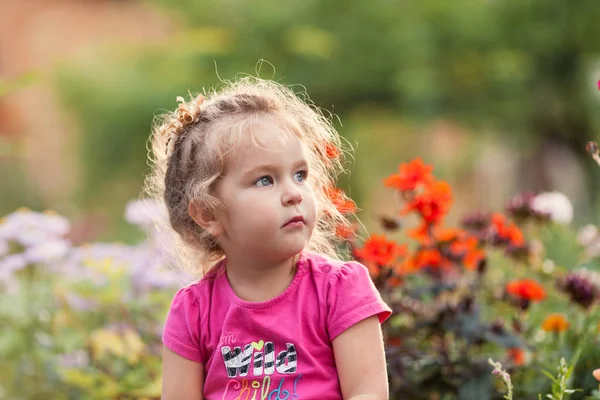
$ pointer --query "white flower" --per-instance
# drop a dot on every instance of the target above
(593, 249)
(556, 204)
(587, 234)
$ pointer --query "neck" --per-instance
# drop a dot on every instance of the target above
(257, 281)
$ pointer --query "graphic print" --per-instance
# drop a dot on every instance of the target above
(260, 360)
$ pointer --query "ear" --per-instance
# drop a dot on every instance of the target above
(204, 218)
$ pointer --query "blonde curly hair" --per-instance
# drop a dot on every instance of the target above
(188, 153)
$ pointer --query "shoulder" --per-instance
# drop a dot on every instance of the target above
(334, 270)
(349, 295)
(199, 290)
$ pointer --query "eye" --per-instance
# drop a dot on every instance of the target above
(300, 176)
(263, 181)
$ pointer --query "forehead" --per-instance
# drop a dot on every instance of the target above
(261, 140)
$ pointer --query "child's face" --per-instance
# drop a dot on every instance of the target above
(264, 188)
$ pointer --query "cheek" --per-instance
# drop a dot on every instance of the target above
(311, 204)
(253, 211)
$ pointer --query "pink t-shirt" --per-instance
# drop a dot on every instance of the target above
(277, 349)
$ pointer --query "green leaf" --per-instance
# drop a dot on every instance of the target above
(549, 375)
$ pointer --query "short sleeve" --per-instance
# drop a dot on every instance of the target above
(352, 298)
(181, 332)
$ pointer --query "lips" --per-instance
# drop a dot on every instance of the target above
(294, 220)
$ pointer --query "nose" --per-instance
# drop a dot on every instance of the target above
(291, 195)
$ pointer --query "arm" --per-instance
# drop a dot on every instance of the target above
(182, 379)
(360, 361)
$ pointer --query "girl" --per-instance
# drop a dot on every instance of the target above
(246, 176)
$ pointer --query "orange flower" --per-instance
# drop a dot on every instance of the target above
(517, 355)
(379, 250)
(466, 247)
(505, 231)
(449, 234)
(463, 247)
(407, 266)
(555, 323)
(431, 258)
(421, 233)
(339, 199)
(332, 151)
(526, 289)
(345, 232)
(473, 259)
(425, 232)
(410, 176)
(433, 204)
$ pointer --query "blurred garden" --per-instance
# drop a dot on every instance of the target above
(479, 204)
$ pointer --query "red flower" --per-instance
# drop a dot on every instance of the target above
(433, 204)
(339, 199)
(410, 176)
(379, 250)
(526, 289)
(517, 355)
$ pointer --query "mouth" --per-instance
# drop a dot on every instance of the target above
(295, 221)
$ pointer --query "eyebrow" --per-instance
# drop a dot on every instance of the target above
(269, 167)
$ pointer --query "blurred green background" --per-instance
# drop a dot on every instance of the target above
(500, 96)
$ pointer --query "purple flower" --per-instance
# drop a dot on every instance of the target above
(95, 262)
(144, 213)
(29, 228)
(476, 221)
(10, 264)
(149, 269)
(523, 206)
(4, 248)
(582, 286)
(48, 252)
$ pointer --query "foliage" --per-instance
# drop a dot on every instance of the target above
(485, 289)
(86, 321)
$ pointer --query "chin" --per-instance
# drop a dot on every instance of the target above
(291, 250)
